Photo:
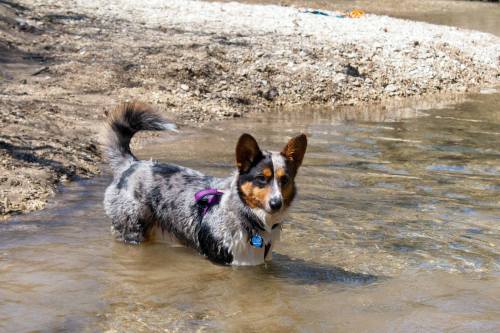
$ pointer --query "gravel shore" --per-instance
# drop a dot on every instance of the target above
(64, 63)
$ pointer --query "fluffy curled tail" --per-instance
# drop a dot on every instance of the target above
(123, 122)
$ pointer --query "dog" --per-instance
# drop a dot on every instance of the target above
(232, 221)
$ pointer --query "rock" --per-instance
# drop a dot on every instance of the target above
(351, 71)
(271, 94)
(41, 70)
(390, 88)
(339, 77)
(184, 87)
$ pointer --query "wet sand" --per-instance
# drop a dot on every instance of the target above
(63, 64)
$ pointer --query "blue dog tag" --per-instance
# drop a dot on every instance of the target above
(257, 241)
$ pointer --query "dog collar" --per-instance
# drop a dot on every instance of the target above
(208, 198)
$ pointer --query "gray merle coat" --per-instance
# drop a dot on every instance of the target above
(148, 199)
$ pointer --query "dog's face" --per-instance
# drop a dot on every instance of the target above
(267, 179)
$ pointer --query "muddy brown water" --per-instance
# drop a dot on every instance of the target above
(395, 229)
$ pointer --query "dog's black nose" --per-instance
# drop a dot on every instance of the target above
(275, 203)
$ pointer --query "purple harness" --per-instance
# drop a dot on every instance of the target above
(208, 198)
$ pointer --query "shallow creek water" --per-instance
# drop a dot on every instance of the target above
(395, 229)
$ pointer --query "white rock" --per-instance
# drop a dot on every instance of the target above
(391, 88)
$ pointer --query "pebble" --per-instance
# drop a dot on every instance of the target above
(391, 88)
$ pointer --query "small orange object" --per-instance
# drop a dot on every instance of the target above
(356, 13)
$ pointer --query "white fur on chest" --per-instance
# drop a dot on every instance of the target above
(244, 254)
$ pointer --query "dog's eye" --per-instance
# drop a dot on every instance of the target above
(284, 180)
(261, 179)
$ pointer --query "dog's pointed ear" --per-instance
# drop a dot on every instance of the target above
(247, 152)
(295, 149)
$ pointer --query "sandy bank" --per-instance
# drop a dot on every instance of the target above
(474, 15)
(65, 62)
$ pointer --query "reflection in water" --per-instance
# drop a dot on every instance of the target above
(395, 229)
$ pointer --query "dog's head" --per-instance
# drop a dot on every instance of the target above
(266, 179)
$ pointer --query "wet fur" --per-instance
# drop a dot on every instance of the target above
(146, 196)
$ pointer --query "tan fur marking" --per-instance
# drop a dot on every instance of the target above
(267, 172)
(255, 196)
(280, 172)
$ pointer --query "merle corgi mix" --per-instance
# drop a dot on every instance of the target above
(235, 220)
